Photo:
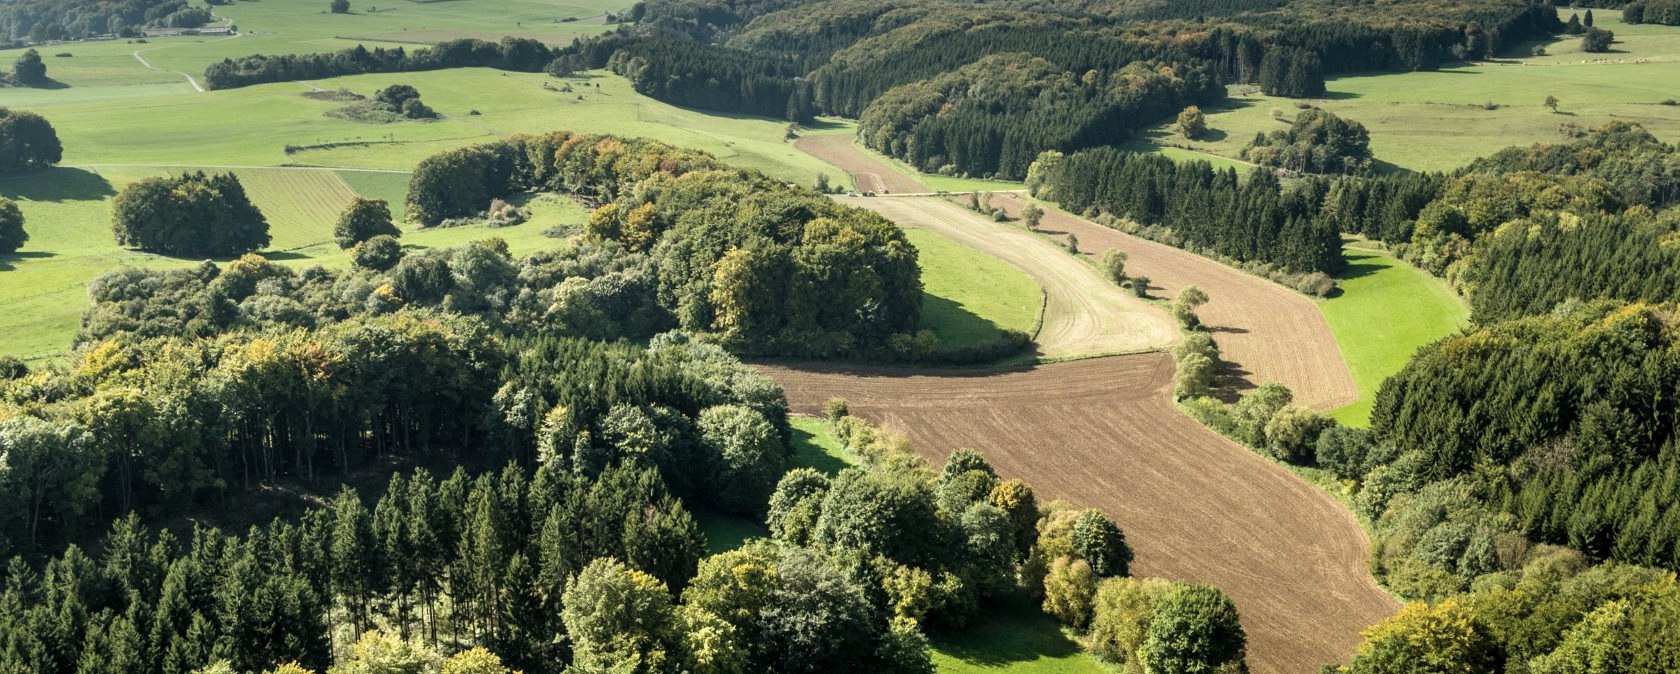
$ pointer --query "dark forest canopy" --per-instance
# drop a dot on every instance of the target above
(1666, 12)
(1568, 408)
(1201, 208)
(994, 116)
(42, 20)
(833, 57)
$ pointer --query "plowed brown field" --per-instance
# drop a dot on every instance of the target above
(1265, 332)
(1103, 433)
(870, 174)
(1084, 314)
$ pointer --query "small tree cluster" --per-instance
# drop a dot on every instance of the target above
(193, 214)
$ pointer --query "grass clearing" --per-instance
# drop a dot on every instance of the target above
(969, 297)
(1013, 637)
(1386, 310)
(1436, 120)
(815, 447)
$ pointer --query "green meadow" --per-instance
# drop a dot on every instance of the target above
(969, 297)
(1384, 311)
(1441, 120)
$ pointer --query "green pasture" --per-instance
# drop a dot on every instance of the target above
(43, 288)
(303, 26)
(969, 297)
(1384, 311)
(1438, 121)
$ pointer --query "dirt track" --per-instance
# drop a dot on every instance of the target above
(1084, 313)
(1102, 433)
(868, 173)
(1265, 332)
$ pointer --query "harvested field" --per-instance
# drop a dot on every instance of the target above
(1265, 332)
(869, 173)
(1103, 433)
(1084, 314)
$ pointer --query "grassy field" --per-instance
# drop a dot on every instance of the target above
(1438, 121)
(1385, 311)
(969, 297)
(1015, 637)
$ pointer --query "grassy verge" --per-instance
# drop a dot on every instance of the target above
(969, 297)
(1385, 310)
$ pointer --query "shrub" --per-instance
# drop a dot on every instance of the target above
(1195, 629)
(1597, 40)
(364, 219)
(1114, 265)
(1068, 591)
(1098, 541)
(1292, 434)
(378, 253)
(836, 409)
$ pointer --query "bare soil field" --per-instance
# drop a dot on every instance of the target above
(1084, 314)
(1103, 433)
(1265, 332)
(868, 172)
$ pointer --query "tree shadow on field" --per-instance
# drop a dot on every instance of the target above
(954, 323)
(1357, 267)
(9, 261)
(1012, 630)
(57, 185)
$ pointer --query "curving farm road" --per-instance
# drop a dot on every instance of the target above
(1266, 333)
(1104, 432)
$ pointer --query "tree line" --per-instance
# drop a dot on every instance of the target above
(161, 424)
(511, 53)
(952, 124)
(45, 20)
(1666, 12)
(1196, 206)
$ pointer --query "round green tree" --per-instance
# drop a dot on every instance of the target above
(1195, 629)
(193, 214)
(1098, 541)
(364, 219)
(28, 142)
(12, 236)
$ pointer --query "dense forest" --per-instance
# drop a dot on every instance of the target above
(43, 20)
(888, 62)
(994, 116)
(1666, 12)
(1197, 207)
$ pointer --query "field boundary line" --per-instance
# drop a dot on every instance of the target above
(236, 167)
